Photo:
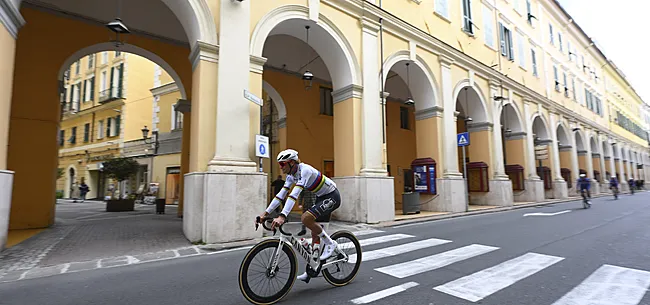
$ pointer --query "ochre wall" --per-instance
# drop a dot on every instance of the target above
(515, 152)
(401, 147)
(40, 52)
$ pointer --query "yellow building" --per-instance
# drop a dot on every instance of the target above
(394, 83)
(106, 102)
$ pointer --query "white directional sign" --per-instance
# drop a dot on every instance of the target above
(262, 146)
(253, 98)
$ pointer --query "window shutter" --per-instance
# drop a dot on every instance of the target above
(92, 89)
(110, 91)
(120, 83)
(488, 25)
(117, 125)
(83, 89)
(108, 127)
(502, 38)
(174, 118)
(512, 46)
(520, 45)
(442, 8)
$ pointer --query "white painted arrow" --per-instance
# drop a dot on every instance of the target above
(547, 214)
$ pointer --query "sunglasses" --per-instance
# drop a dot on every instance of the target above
(283, 163)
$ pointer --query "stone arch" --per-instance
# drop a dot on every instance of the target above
(515, 122)
(478, 114)
(580, 140)
(129, 48)
(563, 135)
(67, 181)
(277, 99)
(194, 15)
(543, 133)
(423, 84)
(341, 62)
(593, 145)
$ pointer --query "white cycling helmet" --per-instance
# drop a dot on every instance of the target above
(288, 154)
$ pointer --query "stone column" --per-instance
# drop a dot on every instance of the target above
(500, 186)
(612, 161)
(603, 170)
(12, 20)
(560, 189)
(621, 169)
(224, 199)
(595, 185)
(533, 183)
(452, 187)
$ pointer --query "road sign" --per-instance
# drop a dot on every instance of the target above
(253, 98)
(463, 139)
(262, 146)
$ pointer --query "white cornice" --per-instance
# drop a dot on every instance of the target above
(204, 51)
(164, 89)
(11, 18)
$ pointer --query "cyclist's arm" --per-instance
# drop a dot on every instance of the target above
(280, 196)
(295, 193)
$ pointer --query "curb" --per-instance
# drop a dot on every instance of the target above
(395, 223)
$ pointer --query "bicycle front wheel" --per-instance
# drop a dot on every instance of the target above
(342, 273)
(256, 281)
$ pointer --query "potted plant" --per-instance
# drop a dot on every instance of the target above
(120, 169)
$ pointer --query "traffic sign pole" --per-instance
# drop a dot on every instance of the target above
(465, 179)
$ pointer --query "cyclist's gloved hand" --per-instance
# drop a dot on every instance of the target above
(278, 221)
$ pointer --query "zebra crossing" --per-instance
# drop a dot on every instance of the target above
(608, 284)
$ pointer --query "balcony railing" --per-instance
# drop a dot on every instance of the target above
(110, 94)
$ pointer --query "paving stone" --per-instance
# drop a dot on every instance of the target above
(155, 256)
(112, 262)
(43, 271)
(12, 276)
(188, 251)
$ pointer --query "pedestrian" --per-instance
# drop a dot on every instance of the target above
(74, 195)
(83, 190)
(305, 201)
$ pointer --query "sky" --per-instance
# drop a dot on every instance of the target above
(619, 29)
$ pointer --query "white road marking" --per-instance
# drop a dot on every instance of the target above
(479, 285)
(609, 285)
(384, 293)
(374, 240)
(366, 232)
(436, 261)
(392, 251)
(546, 214)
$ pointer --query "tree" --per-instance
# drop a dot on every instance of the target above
(59, 173)
(121, 169)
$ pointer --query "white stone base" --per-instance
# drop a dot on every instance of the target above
(221, 207)
(6, 187)
(595, 187)
(365, 199)
(451, 196)
(500, 194)
(533, 191)
(623, 187)
(560, 189)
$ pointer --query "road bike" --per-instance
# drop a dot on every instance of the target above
(585, 200)
(615, 191)
(263, 264)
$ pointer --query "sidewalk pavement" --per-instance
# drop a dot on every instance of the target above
(86, 237)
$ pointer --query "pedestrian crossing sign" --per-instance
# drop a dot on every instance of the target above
(463, 139)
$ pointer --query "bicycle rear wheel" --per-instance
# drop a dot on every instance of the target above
(255, 271)
(349, 244)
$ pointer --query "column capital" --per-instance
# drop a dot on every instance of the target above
(369, 26)
(445, 60)
(11, 18)
(347, 92)
(203, 51)
(435, 111)
(257, 64)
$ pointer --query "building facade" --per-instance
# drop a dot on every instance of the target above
(390, 86)
(105, 104)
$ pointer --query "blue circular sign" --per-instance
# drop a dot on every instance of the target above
(262, 149)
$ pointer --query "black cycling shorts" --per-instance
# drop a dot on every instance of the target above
(325, 205)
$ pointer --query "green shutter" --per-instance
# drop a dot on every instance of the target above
(92, 89)
(117, 125)
(120, 83)
(83, 91)
(110, 91)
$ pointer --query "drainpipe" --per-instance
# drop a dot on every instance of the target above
(383, 100)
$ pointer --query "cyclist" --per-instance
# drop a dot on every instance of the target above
(632, 185)
(328, 199)
(584, 184)
(613, 185)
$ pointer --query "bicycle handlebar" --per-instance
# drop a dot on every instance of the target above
(258, 220)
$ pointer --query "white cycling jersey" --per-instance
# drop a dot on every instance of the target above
(307, 177)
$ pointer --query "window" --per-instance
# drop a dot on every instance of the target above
(118, 53)
(557, 79)
(102, 85)
(326, 103)
(77, 67)
(86, 132)
(520, 50)
(404, 117)
(73, 136)
(61, 138)
(566, 86)
(569, 50)
(177, 119)
(488, 26)
(559, 41)
(116, 126)
(573, 85)
(91, 61)
(108, 127)
(507, 49)
(104, 57)
(467, 16)
(75, 96)
(529, 13)
(100, 129)
(89, 92)
(534, 60)
(584, 67)
(441, 7)
(550, 30)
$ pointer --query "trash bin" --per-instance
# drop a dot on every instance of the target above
(160, 206)
(410, 203)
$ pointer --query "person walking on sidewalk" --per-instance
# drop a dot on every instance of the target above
(83, 190)
(305, 201)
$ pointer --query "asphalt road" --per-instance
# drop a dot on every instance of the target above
(594, 256)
